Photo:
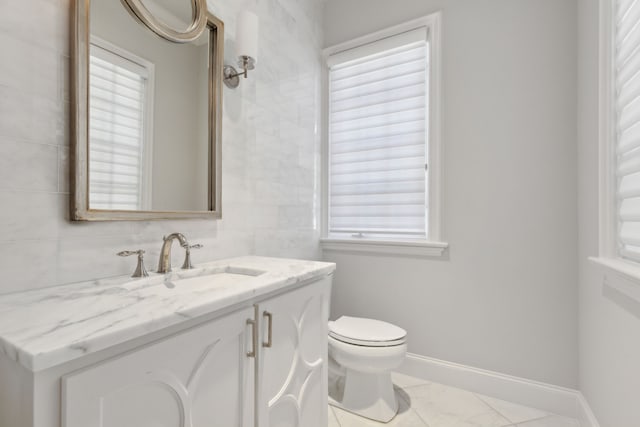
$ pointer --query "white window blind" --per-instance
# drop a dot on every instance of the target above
(117, 98)
(378, 109)
(627, 112)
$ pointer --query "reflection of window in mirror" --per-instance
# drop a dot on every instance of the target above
(120, 128)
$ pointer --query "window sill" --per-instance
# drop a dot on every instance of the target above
(621, 276)
(420, 248)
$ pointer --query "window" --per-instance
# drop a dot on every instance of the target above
(626, 80)
(620, 145)
(119, 128)
(383, 138)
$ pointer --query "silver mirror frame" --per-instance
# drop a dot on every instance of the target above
(79, 201)
(199, 7)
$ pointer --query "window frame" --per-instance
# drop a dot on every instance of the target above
(433, 245)
(619, 273)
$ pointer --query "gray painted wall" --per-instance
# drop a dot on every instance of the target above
(505, 298)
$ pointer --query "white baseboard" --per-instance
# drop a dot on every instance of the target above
(547, 397)
(585, 415)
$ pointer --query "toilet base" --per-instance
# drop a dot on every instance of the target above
(368, 395)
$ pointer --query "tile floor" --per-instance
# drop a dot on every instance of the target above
(428, 404)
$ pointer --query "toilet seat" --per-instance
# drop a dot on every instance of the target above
(366, 332)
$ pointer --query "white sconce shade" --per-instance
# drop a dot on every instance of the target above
(247, 36)
(246, 49)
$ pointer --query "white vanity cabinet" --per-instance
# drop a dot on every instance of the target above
(197, 378)
(292, 359)
(240, 342)
(217, 373)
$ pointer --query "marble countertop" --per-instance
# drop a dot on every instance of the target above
(46, 327)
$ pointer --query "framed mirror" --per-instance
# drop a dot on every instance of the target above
(146, 113)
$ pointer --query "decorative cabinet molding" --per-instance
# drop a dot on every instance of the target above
(292, 372)
(184, 381)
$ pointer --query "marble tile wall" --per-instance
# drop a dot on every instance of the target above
(271, 149)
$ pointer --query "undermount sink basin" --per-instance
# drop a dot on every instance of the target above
(209, 277)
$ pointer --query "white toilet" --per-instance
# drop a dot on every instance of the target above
(362, 354)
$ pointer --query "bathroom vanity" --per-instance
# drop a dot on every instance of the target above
(239, 342)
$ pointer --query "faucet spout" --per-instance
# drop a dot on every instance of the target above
(164, 265)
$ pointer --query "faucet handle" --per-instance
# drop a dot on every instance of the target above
(141, 271)
(187, 256)
(129, 253)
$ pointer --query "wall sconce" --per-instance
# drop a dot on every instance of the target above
(246, 49)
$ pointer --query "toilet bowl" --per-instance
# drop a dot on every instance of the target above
(362, 354)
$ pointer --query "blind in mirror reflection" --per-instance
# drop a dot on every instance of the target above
(119, 111)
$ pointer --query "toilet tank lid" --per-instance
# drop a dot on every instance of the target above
(366, 329)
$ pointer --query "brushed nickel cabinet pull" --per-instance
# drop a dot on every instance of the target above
(254, 338)
(269, 318)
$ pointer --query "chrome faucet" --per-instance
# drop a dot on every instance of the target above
(164, 265)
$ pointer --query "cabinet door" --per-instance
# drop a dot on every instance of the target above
(292, 372)
(198, 378)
